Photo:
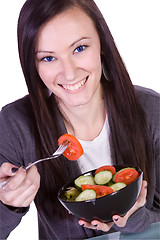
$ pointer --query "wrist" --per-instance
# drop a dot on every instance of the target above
(16, 209)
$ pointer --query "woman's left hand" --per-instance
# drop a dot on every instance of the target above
(118, 220)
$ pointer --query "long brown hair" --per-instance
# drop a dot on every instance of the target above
(130, 137)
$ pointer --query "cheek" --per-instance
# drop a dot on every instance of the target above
(46, 74)
(97, 64)
(93, 61)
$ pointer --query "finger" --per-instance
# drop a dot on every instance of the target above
(32, 178)
(143, 194)
(29, 187)
(31, 172)
(16, 198)
(120, 221)
(25, 193)
(86, 224)
(3, 187)
(96, 225)
(29, 199)
(24, 198)
(105, 227)
(7, 169)
(16, 180)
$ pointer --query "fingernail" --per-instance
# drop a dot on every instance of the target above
(14, 170)
(95, 225)
(116, 219)
(82, 225)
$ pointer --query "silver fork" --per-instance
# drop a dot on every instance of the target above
(60, 150)
(56, 154)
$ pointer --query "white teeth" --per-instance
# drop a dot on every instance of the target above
(74, 87)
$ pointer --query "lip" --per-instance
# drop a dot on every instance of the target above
(72, 88)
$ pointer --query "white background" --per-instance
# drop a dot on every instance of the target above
(135, 27)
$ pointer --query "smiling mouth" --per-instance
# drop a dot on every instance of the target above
(72, 87)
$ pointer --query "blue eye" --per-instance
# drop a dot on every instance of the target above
(80, 48)
(48, 59)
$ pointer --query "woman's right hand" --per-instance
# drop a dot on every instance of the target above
(20, 191)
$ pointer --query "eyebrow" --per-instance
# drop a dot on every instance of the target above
(83, 38)
(44, 51)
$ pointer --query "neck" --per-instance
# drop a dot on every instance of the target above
(86, 122)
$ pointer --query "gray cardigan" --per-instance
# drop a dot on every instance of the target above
(17, 146)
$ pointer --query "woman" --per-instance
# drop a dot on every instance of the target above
(77, 83)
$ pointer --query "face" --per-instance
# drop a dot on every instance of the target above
(68, 58)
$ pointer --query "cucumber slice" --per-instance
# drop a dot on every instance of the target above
(85, 179)
(103, 177)
(117, 186)
(87, 194)
(71, 193)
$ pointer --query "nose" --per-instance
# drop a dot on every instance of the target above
(69, 69)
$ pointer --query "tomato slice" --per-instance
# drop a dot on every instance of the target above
(126, 176)
(100, 190)
(105, 191)
(74, 149)
(106, 168)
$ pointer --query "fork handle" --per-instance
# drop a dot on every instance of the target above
(41, 160)
(2, 184)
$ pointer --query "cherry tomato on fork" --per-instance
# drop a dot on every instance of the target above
(74, 149)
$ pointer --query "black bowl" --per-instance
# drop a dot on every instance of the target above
(104, 208)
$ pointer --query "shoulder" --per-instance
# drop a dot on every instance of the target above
(148, 98)
(20, 105)
(19, 110)
(17, 129)
(146, 93)
(16, 119)
(150, 102)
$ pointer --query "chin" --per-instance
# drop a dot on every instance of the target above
(80, 102)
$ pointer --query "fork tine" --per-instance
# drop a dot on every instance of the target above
(61, 148)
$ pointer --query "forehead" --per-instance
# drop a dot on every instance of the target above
(71, 23)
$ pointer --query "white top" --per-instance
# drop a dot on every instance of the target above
(96, 152)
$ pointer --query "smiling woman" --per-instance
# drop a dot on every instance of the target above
(77, 83)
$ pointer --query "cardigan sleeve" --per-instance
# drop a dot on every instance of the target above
(9, 220)
(15, 142)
